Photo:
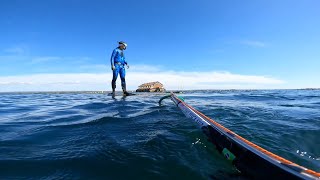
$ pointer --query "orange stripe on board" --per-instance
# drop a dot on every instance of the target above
(308, 171)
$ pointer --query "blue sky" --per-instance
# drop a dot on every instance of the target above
(185, 44)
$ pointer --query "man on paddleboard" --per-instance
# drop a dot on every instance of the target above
(118, 63)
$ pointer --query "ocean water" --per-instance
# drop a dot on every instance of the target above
(93, 136)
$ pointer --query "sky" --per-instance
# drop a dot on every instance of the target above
(65, 45)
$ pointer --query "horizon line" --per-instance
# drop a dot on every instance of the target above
(167, 91)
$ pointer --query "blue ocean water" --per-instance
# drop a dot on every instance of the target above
(93, 136)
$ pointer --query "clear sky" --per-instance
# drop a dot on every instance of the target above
(185, 44)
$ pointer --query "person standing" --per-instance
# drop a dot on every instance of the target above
(118, 63)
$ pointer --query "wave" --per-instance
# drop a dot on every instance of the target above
(81, 135)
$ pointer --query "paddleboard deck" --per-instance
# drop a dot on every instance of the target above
(121, 94)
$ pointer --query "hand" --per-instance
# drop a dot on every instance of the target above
(112, 68)
(127, 66)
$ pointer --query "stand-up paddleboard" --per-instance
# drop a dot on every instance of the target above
(120, 94)
(247, 157)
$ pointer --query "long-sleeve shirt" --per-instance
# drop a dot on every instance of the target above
(118, 57)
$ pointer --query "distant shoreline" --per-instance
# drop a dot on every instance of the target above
(105, 92)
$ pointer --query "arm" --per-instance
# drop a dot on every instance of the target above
(112, 58)
(125, 62)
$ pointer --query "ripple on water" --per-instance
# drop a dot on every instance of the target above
(79, 135)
